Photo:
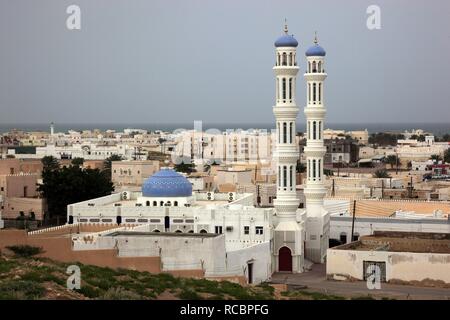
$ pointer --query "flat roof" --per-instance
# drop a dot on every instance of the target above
(162, 234)
(414, 242)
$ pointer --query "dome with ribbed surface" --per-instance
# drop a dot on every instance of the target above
(167, 183)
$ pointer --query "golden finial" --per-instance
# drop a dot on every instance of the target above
(315, 37)
(285, 26)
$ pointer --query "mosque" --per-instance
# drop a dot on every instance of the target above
(223, 233)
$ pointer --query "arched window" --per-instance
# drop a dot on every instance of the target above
(318, 169)
(161, 203)
(156, 230)
(203, 231)
(314, 67)
(284, 177)
(147, 203)
(290, 132)
(320, 130)
(284, 89)
(314, 169)
(191, 231)
(279, 176)
(178, 231)
(284, 133)
(320, 93)
(291, 177)
(168, 203)
(290, 59)
(314, 93)
(155, 203)
(319, 66)
(284, 59)
(290, 89)
(314, 130)
(175, 203)
(309, 170)
(343, 238)
(278, 89)
(309, 92)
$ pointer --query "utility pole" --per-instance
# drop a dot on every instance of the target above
(332, 190)
(353, 220)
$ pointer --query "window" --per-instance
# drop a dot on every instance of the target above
(290, 131)
(314, 130)
(320, 93)
(175, 203)
(259, 230)
(155, 203)
(284, 89)
(314, 169)
(284, 132)
(246, 229)
(147, 203)
(284, 176)
(25, 189)
(343, 238)
(270, 199)
(290, 89)
(218, 229)
(314, 93)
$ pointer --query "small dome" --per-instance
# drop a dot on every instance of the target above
(167, 183)
(315, 50)
(286, 40)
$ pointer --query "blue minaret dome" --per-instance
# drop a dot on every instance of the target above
(286, 40)
(167, 183)
(315, 50)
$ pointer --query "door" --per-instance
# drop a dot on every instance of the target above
(250, 272)
(285, 260)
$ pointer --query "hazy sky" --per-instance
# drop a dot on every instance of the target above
(165, 61)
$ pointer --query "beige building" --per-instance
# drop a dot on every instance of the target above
(15, 166)
(132, 173)
(234, 177)
(20, 197)
(399, 257)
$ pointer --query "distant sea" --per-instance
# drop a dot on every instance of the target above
(435, 128)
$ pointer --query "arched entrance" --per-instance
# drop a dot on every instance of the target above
(285, 259)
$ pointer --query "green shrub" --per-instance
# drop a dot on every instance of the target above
(120, 293)
(25, 251)
(21, 289)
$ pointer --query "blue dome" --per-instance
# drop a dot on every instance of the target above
(315, 50)
(286, 41)
(167, 183)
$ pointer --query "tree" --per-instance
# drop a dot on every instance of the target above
(381, 173)
(109, 160)
(447, 156)
(185, 167)
(78, 162)
(300, 168)
(63, 186)
(393, 160)
(436, 157)
(50, 163)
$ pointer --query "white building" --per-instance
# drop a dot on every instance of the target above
(317, 225)
(257, 241)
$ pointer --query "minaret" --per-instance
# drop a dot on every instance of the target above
(287, 250)
(317, 222)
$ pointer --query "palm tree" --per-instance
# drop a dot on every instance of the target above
(436, 157)
(392, 159)
(381, 173)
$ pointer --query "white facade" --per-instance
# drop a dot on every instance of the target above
(289, 232)
(317, 224)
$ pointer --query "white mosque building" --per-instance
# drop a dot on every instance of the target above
(227, 234)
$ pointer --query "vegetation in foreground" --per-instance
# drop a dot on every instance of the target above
(25, 276)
